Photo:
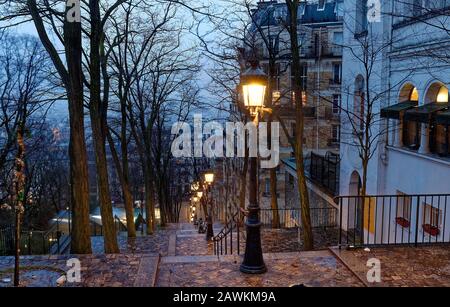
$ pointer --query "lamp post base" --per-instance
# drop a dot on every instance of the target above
(253, 259)
(253, 269)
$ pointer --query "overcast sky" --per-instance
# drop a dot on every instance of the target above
(60, 109)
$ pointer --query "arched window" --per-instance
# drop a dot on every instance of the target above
(410, 129)
(414, 96)
(442, 95)
(441, 133)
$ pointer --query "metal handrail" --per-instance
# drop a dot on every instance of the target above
(220, 241)
(122, 226)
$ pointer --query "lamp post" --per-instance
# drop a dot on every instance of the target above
(254, 83)
(209, 179)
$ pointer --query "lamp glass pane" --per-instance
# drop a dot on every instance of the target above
(209, 177)
(254, 95)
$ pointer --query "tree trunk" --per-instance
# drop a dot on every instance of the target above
(80, 236)
(98, 124)
(273, 183)
(18, 199)
(126, 189)
(243, 188)
(149, 203)
(274, 198)
(308, 240)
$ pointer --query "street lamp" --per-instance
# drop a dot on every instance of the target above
(195, 186)
(209, 179)
(254, 83)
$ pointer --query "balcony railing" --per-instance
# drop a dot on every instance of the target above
(394, 219)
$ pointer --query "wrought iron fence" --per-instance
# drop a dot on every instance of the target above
(325, 172)
(394, 219)
(290, 218)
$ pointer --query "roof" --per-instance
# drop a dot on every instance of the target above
(271, 13)
(394, 110)
(424, 113)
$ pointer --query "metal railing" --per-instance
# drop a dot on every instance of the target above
(223, 241)
(119, 225)
(394, 219)
(325, 172)
(36, 242)
(290, 218)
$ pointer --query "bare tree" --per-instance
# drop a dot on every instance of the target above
(22, 84)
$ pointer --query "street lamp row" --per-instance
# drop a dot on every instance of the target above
(253, 86)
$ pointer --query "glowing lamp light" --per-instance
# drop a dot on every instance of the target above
(209, 177)
(195, 199)
(195, 186)
(254, 84)
(442, 96)
(199, 194)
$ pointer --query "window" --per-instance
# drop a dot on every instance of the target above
(275, 44)
(291, 179)
(359, 104)
(442, 96)
(411, 135)
(276, 97)
(337, 73)
(335, 131)
(321, 5)
(302, 43)
(338, 42)
(414, 95)
(432, 216)
(338, 38)
(267, 186)
(336, 103)
(361, 16)
(303, 77)
(403, 206)
(293, 129)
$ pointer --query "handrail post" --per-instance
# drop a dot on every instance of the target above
(417, 221)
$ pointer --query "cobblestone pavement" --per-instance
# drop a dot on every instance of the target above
(120, 270)
(318, 268)
(287, 240)
(272, 240)
(156, 243)
(193, 245)
(188, 261)
(427, 266)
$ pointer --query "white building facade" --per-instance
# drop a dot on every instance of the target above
(396, 76)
